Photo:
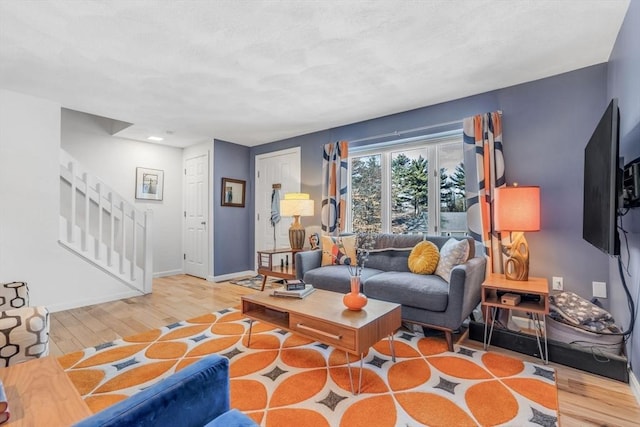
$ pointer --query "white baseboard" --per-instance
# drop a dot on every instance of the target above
(167, 273)
(92, 301)
(635, 385)
(230, 276)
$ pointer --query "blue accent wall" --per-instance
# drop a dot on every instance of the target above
(547, 124)
(231, 235)
(623, 82)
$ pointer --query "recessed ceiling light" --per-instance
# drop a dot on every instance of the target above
(155, 138)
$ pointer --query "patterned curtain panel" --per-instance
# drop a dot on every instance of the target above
(484, 165)
(335, 169)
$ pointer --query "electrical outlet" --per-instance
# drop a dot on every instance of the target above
(557, 283)
(600, 289)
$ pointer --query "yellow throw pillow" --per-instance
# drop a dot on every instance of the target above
(338, 250)
(424, 258)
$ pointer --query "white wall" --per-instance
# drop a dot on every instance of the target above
(114, 160)
(30, 210)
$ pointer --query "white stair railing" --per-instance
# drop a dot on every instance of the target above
(101, 226)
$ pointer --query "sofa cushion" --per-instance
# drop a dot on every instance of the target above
(453, 253)
(338, 250)
(386, 241)
(390, 259)
(335, 278)
(423, 258)
(428, 292)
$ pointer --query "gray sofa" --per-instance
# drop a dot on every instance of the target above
(426, 300)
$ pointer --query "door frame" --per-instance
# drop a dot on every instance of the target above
(258, 157)
(205, 149)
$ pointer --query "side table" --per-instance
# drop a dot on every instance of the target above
(536, 287)
(266, 266)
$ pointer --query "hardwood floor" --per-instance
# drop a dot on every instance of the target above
(584, 399)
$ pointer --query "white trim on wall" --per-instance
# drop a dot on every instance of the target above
(92, 301)
(167, 273)
(635, 385)
(225, 277)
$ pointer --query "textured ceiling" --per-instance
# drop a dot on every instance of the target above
(252, 72)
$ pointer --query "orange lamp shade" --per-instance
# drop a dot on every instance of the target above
(517, 209)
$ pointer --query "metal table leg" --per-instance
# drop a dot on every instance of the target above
(391, 346)
(487, 342)
(537, 326)
(249, 338)
(351, 377)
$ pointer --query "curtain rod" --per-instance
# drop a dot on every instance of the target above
(402, 132)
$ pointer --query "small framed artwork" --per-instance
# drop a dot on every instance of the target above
(233, 192)
(149, 184)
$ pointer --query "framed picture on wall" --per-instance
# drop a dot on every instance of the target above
(149, 184)
(233, 192)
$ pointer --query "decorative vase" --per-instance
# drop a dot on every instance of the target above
(355, 300)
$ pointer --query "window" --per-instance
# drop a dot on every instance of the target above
(409, 187)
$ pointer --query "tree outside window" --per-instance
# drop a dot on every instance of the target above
(397, 190)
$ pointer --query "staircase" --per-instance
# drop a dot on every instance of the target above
(99, 225)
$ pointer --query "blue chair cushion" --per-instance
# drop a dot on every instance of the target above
(233, 418)
(191, 397)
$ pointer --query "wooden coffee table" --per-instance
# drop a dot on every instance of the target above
(323, 317)
(40, 393)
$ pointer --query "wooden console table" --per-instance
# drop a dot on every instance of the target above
(267, 268)
(40, 393)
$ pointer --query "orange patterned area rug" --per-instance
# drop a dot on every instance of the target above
(286, 380)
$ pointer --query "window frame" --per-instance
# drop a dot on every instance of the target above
(385, 150)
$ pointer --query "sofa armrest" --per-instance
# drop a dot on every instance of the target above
(25, 334)
(191, 397)
(464, 288)
(307, 260)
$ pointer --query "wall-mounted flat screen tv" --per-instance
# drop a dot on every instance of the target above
(603, 183)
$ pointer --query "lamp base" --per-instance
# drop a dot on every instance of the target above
(517, 265)
(296, 234)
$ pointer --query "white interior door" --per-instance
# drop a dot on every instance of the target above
(279, 167)
(196, 216)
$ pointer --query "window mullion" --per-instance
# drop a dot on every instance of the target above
(434, 190)
(348, 211)
(385, 164)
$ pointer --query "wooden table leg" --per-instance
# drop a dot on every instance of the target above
(264, 281)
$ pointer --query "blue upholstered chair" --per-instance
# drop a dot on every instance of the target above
(196, 396)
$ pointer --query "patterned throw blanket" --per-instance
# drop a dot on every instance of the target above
(570, 308)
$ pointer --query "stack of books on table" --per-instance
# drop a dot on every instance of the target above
(293, 293)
